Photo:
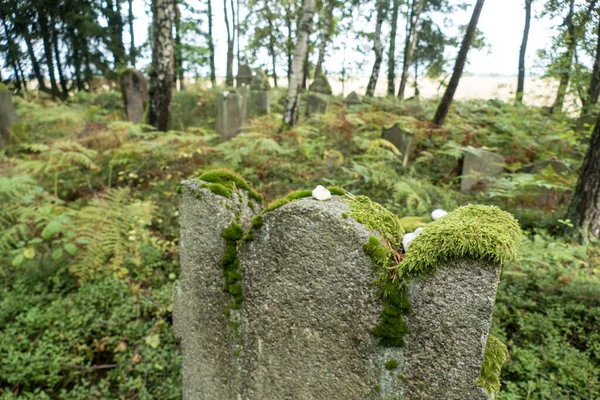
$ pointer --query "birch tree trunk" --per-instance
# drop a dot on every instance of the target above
(442, 111)
(567, 60)
(230, 47)
(522, 52)
(594, 88)
(325, 37)
(377, 48)
(584, 210)
(290, 115)
(161, 73)
(211, 46)
(392, 50)
(411, 43)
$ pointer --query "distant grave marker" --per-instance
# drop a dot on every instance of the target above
(478, 166)
(135, 94)
(259, 95)
(229, 114)
(8, 115)
(401, 139)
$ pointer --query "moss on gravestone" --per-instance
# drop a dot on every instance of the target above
(229, 180)
(494, 357)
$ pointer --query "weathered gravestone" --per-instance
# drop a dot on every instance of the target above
(244, 93)
(401, 139)
(259, 95)
(8, 115)
(318, 96)
(244, 76)
(352, 99)
(548, 197)
(135, 94)
(478, 166)
(585, 123)
(229, 114)
(293, 308)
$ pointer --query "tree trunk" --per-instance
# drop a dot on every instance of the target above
(442, 111)
(34, 62)
(288, 23)
(178, 51)
(132, 50)
(161, 73)
(377, 48)
(521, 79)
(411, 43)
(59, 67)
(305, 67)
(230, 47)
(48, 50)
(272, 52)
(392, 50)
(325, 37)
(584, 210)
(594, 89)
(211, 47)
(565, 75)
(290, 115)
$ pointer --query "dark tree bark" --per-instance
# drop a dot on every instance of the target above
(115, 29)
(161, 73)
(594, 88)
(565, 75)
(47, 41)
(377, 48)
(59, 67)
(411, 43)
(523, 51)
(325, 37)
(584, 210)
(272, 41)
(35, 65)
(211, 46)
(289, 46)
(290, 114)
(461, 59)
(230, 47)
(392, 50)
(132, 49)
(178, 73)
(305, 67)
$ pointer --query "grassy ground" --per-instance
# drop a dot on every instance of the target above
(89, 231)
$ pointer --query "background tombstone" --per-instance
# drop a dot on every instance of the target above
(135, 94)
(585, 123)
(352, 99)
(548, 197)
(321, 85)
(259, 95)
(244, 76)
(229, 114)
(478, 166)
(244, 93)
(8, 115)
(317, 100)
(399, 138)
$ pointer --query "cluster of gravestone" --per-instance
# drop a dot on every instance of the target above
(313, 297)
(8, 115)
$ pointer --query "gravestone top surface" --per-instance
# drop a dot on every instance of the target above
(320, 85)
(558, 166)
(479, 165)
(244, 75)
(260, 81)
(352, 99)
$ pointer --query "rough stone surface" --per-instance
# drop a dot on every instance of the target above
(244, 93)
(316, 104)
(259, 95)
(199, 301)
(478, 165)
(135, 94)
(585, 123)
(549, 198)
(244, 76)
(448, 329)
(8, 116)
(352, 99)
(229, 114)
(320, 85)
(558, 166)
(402, 140)
(309, 307)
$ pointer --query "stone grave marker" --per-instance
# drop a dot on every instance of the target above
(259, 95)
(135, 94)
(548, 197)
(585, 123)
(229, 114)
(288, 308)
(244, 93)
(8, 115)
(317, 100)
(399, 138)
(321, 85)
(244, 76)
(478, 166)
(352, 99)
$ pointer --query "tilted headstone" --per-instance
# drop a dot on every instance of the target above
(320, 85)
(229, 114)
(259, 95)
(352, 99)
(478, 166)
(399, 138)
(244, 76)
(301, 321)
(8, 115)
(135, 94)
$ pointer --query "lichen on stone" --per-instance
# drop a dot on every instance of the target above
(494, 357)
(231, 181)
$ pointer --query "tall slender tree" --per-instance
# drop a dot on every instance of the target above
(461, 59)
(211, 45)
(161, 73)
(593, 90)
(377, 47)
(411, 42)
(523, 51)
(230, 43)
(392, 49)
(132, 49)
(325, 35)
(290, 114)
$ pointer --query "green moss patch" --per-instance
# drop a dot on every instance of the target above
(231, 264)
(391, 364)
(494, 357)
(470, 232)
(218, 189)
(411, 223)
(231, 181)
(376, 218)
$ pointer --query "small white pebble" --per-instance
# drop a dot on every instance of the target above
(409, 237)
(320, 193)
(225, 94)
(438, 213)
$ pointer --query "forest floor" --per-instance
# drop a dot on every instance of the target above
(89, 230)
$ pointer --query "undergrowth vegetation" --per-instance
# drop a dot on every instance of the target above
(89, 231)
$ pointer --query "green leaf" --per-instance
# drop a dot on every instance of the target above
(17, 260)
(57, 254)
(70, 248)
(51, 229)
(29, 253)
(153, 341)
